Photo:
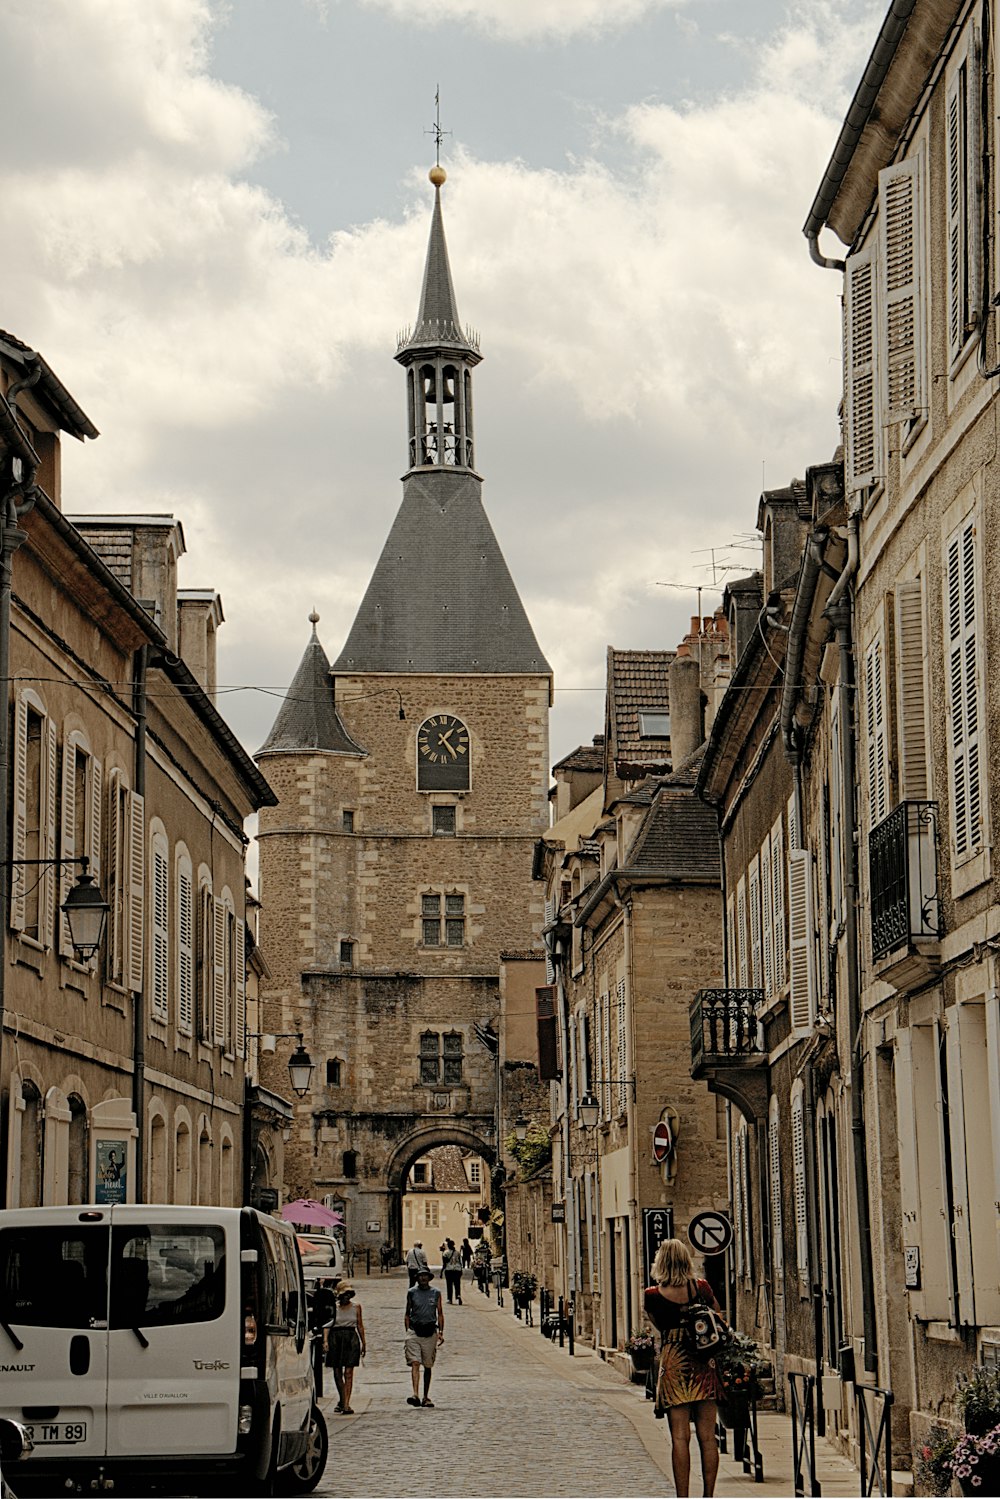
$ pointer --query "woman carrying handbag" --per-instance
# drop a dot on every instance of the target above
(688, 1386)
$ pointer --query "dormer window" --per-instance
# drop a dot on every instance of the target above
(654, 724)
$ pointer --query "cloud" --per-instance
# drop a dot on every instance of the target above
(653, 334)
(525, 20)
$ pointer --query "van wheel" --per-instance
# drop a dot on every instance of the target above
(303, 1476)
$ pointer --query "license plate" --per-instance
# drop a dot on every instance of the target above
(56, 1431)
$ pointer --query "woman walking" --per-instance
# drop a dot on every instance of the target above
(345, 1346)
(451, 1264)
(688, 1386)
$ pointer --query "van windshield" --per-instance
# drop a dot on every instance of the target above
(165, 1273)
(54, 1276)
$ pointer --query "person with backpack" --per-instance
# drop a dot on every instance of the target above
(451, 1266)
(684, 1311)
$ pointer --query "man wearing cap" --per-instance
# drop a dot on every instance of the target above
(424, 1323)
(415, 1260)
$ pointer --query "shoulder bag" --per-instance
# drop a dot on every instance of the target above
(702, 1328)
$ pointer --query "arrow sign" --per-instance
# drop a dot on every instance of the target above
(710, 1233)
(663, 1142)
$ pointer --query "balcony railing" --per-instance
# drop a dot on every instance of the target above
(724, 1026)
(902, 865)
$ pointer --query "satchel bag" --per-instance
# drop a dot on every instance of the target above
(702, 1329)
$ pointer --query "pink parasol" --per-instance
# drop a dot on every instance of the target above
(307, 1213)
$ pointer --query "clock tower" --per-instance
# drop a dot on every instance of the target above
(412, 778)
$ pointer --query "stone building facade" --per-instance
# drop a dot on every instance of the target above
(412, 785)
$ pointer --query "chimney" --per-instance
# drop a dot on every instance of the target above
(686, 727)
(199, 615)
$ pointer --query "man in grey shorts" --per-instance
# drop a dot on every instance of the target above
(424, 1323)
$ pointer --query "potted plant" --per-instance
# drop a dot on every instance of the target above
(524, 1287)
(641, 1349)
(739, 1364)
(978, 1399)
(975, 1461)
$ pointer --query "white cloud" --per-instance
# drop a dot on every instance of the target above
(525, 20)
(652, 335)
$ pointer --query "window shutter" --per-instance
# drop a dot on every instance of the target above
(50, 876)
(742, 945)
(962, 609)
(622, 1050)
(960, 1212)
(911, 693)
(160, 975)
(67, 839)
(116, 917)
(550, 916)
(778, 902)
(877, 747)
(801, 1209)
(219, 972)
(899, 204)
(957, 209)
(767, 917)
(909, 1190)
(862, 423)
(974, 180)
(241, 988)
(545, 1022)
(584, 1022)
(756, 938)
(185, 950)
(738, 1202)
(836, 813)
(793, 824)
(20, 826)
(803, 986)
(94, 829)
(731, 938)
(602, 1066)
(135, 805)
(774, 1162)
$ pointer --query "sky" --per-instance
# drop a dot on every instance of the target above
(213, 219)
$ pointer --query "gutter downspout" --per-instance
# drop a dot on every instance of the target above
(858, 116)
(138, 1002)
(839, 611)
(559, 955)
(625, 906)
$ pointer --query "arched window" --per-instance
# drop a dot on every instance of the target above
(33, 888)
(78, 1177)
(158, 1159)
(205, 1165)
(182, 1162)
(227, 1173)
(30, 1176)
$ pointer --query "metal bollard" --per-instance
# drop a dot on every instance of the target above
(562, 1323)
(572, 1319)
(368, 1262)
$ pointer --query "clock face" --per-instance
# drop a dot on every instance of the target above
(443, 754)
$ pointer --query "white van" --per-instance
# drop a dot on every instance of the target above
(138, 1341)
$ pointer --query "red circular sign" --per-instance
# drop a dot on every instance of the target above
(663, 1142)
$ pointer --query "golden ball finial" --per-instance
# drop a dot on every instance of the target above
(438, 175)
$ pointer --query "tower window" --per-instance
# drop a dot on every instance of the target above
(447, 933)
(350, 1163)
(347, 955)
(348, 817)
(333, 1065)
(653, 724)
(454, 907)
(430, 1062)
(443, 821)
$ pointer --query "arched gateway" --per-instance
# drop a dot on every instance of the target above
(420, 1143)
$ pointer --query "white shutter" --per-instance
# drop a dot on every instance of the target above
(622, 1050)
(738, 1201)
(219, 971)
(962, 611)
(778, 903)
(862, 424)
(742, 944)
(94, 826)
(20, 823)
(48, 847)
(980, 1175)
(800, 907)
(794, 840)
(185, 950)
(767, 917)
(756, 940)
(960, 1216)
(877, 734)
(584, 1021)
(239, 1039)
(957, 208)
(911, 692)
(906, 1144)
(836, 814)
(67, 840)
(774, 1164)
(136, 875)
(160, 964)
(116, 865)
(801, 1207)
(902, 337)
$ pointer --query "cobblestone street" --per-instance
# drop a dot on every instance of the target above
(513, 1416)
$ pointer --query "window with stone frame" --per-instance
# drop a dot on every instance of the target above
(333, 1065)
(430, 1059)
(441, 1057)
(442, 919)
(443, 821)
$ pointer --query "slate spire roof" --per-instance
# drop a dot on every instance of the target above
(308, 717)
(437, 320)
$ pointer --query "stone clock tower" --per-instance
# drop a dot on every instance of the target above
(412, 777)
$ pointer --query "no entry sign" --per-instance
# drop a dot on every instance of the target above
(663, 1142)
(710, 1233)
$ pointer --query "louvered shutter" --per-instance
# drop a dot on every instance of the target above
(960, 1214)
(241, 988)
(800, 899)
(911, 694)
(793, 823)
(136, 820)
(774, 1164)
(742, 945)
(836, 812)
(861, 387)
(747, 1201)
(49, 842)
(974, 180)
(584, 1052)
(731, 939)
(906, 1144)
(621, 1057)
(219, 971)
(801, 1206)
(550, 913)
(877, 733)
(957, 209)
(160, 975)
(767, 917)
(67, 840)
(899, 201)
(185, 950)
(962, 611)
(738, 1203)
(116, 865)
(756, 937)
(778, 903)
(20, 823)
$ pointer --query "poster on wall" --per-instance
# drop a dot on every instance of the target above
(112, 1174)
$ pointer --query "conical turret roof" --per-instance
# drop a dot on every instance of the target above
(437, 320)
(308, 717)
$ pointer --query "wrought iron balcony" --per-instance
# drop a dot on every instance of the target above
(724, 1026)
(902, 870)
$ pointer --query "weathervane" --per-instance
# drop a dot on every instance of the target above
(435, 129)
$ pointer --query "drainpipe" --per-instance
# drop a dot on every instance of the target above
(138, 1002)
(625, 906)
(839, 611)
(568, 1199)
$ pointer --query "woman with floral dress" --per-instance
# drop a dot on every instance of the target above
(688, 1385)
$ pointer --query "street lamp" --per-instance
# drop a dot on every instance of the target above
(588, 1110)
(520, 1127)
(300, 1064)
(86, 913)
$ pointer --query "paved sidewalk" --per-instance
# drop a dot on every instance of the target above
(515, 1415)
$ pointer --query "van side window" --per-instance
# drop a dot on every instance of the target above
(274, 1260)
(165, 1273)
(293, 1273)
(54, 1276)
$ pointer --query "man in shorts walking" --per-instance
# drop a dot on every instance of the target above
(424, 1323)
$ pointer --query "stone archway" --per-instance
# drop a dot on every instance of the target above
(418, 1143)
